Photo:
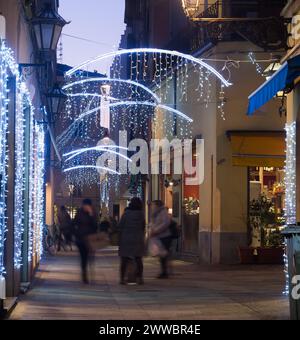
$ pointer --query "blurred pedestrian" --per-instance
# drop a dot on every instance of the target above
(132, 240)
(65, 227)
(160, 229)
(85, 224)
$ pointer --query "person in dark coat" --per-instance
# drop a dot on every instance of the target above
(85, 224)
(132, 239)
(65, 227)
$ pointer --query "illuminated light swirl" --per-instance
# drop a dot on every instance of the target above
(131, 103)
(96, 95)
(92, 167)
(102, 146)
(152, 50)
(112, 80)
(97, 148)
(125, 103)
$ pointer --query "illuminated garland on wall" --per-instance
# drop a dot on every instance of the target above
(290, 191)
(36, 166)
(39, 190)
(3, 155)
(290, 174)
(22, 100)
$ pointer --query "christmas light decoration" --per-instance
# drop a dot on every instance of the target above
(23, 101)
(96, 148)
(129, 103)
(253, 60)
(99, 149)
(19, 177)
(3, 154)
(290, 174)
(290, 191)
(39, 190)
(101, 80)
(101, 168)
(186, 57)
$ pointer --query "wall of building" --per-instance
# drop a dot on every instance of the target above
(232, 181)
(224, 193)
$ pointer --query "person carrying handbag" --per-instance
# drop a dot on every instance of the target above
(160, 229)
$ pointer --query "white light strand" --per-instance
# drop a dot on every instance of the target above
(290, 174)
(290, 191)
(253, 60)
(8, 64)
(39, 191)
(3, 154)
(152, 51)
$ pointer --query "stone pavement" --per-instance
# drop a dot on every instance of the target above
(194, 292)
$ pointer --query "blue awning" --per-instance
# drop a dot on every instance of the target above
(280, 80)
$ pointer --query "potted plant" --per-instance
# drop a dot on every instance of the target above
(266, 246)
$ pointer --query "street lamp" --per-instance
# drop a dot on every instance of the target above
(47, 28)
(56, 98)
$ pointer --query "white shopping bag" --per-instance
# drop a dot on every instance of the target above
(156, 248)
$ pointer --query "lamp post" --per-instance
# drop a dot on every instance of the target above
(47, 27)
(55, 100)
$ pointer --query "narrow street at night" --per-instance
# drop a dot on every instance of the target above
(149, 165)
(194, 292)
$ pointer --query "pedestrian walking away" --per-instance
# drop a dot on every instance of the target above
(85, 224)
(132, 240)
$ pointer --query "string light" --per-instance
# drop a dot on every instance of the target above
(39, 190)
(187, 57)
(290, 185)
(253, 60)
(3, 154)
(92, 167)
(99, 80)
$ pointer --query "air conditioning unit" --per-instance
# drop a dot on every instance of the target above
(2, 27)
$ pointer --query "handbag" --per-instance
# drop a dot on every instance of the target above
(156, 248)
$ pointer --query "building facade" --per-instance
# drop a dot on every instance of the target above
(216, 216)
(28, 61)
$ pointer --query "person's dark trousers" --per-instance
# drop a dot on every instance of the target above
(139, 267)
(166, 242)
(84, 259)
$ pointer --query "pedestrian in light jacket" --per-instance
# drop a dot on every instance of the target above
(160, 228)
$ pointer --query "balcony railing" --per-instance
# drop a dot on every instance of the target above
(211, 12)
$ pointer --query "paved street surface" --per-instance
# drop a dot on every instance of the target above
(194, 292)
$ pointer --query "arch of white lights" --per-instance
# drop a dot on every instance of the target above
(96, 148)
(125, 103)
(102, 146)
(131, 103)
(151, 50)
(91, 167)
(112, 80)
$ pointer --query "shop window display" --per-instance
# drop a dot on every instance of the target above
(266, 206)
